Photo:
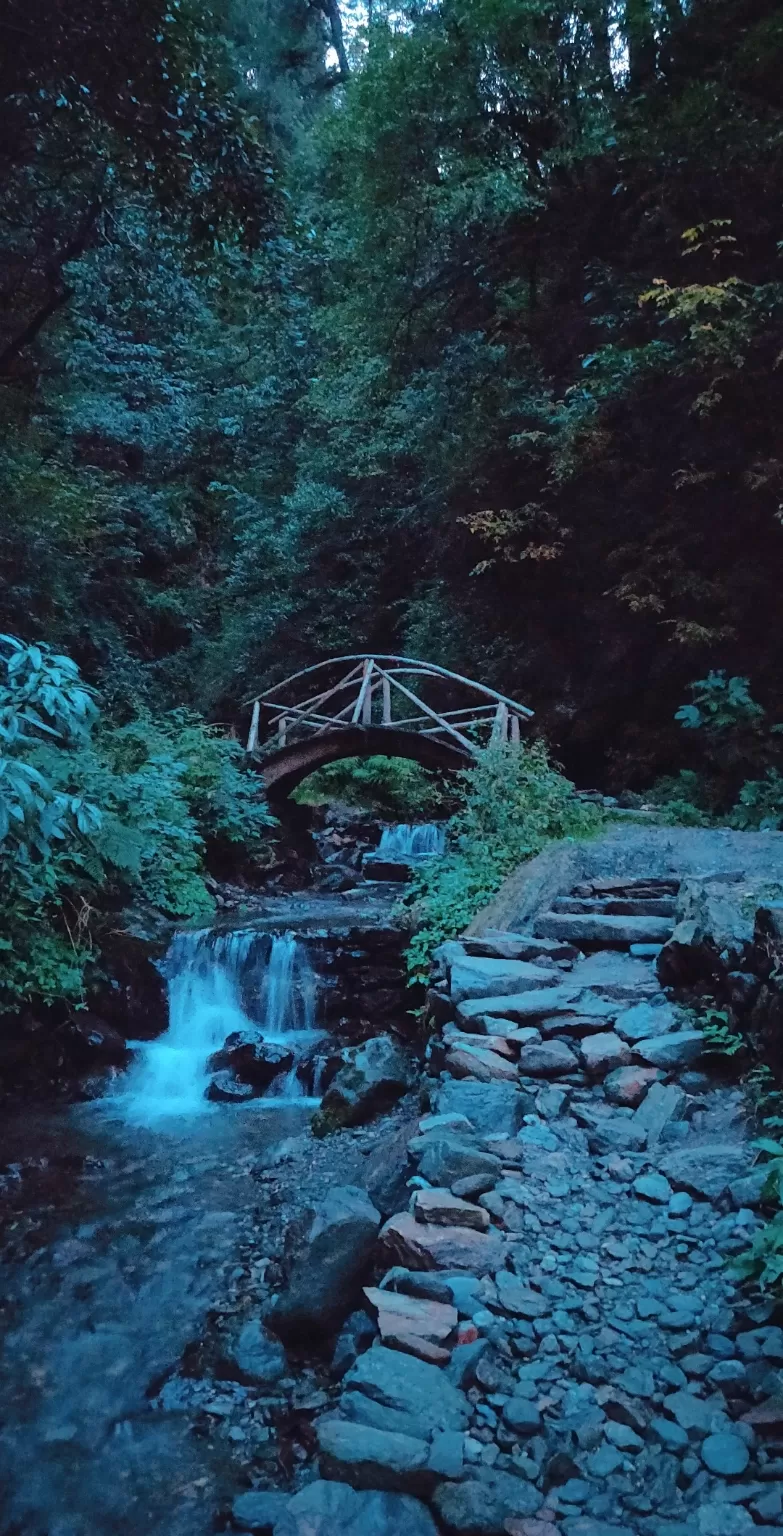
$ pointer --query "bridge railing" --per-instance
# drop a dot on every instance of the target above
(366, 694)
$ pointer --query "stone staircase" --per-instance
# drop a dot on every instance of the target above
(619, 914)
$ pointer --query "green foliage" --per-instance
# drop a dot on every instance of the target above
(719, 1038)
(388, 786)
(97, 815)
(513, 802)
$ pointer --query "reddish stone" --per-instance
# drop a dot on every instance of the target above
(628, 1086)
(443, 1209)
(410, 1315)
(414, 1344)
(404, 1240)
(468, 1333)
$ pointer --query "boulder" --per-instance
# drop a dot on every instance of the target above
(386, 1172)
(627, 1087)
(258, 1511)
(408, 1321)
(372, 1078)
(325, 1279)
(447, 1158)
(645, 1021)
(491, 1107)
(420, 1394)
(519, 946)
(254, 1357)
(90, 1042)
(706, 1171)
(482, 1504)
(603, 1053)
(521, 1007)
(409, 1242)
(326, 1508)
(671, 1052)
(373, 1458)
(480, 977)
(552, 1058)
(253, 1059)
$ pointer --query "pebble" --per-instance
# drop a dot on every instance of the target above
(653, 1187)
(725, 1455)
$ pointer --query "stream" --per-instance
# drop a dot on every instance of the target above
(126, 1221)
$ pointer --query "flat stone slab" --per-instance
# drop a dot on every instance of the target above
(629, 1086)
(518, 946)
(481, 977)
(422, 1392)
(258, 1511)
(645, 1022)
(396, 1312)
(404, 1240)
(447, 1158)
(496, 1107)
(552, 1058)
(325, 1508)
(671, 1052)
(663, 1105)
(522, 1007)
(594, 928)
(443, 1209)
(603, 1053)
(486, 1066)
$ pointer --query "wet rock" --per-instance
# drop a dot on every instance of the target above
(491, 1108)
(225, 1088)
(446, 1210)
(90, 1042)
(603, 1053)
(552, 1058)
(673, 1051)
(406, 1241)
(254, 1356)
(326, 1508)
(628, 1086)
(477, 977)
(258, 1511)
(480, 1505)
(252, 1059)
(705, 1171)
(372, 1078)
(325, 1278)
(373, 1458)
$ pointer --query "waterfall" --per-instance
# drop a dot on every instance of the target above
(405, 842)
(219, 984)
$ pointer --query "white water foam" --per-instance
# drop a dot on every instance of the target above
(215, 982)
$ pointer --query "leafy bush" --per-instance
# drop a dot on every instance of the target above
(513, 802)
(93, 816)
(390, 786)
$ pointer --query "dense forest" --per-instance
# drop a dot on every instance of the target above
(453, 327)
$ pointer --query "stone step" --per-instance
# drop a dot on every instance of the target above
(616, 906)
(598, 929)
(644, 886)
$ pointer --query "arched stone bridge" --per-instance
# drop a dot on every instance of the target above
(363, 705)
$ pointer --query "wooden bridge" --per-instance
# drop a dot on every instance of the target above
(365, 705)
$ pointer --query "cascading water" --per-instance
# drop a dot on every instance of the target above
(405, 842)
(220, 984)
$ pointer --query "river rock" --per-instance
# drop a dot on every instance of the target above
(372, 1078)
(444, 1209)
(406, 1241)
(480, 977)
(328, 1508)
(671, 1052)
(628, 1086)
(725, 1454)
(552, 1058)
(373, 1458)
(603, 1053)
(325, 1279)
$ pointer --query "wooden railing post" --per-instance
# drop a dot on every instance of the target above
(252, 740)
(386, 693)
(515, 733)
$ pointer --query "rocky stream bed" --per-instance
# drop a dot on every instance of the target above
(502, 1308)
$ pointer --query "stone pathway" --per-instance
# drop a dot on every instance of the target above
(560, 1348)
